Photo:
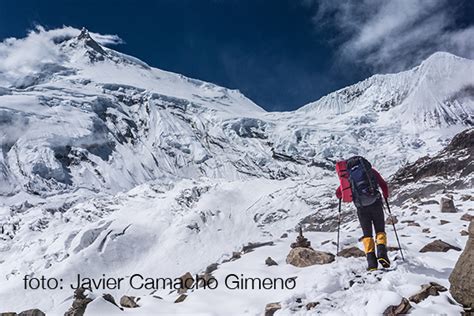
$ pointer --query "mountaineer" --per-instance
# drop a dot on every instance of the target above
(360, 184)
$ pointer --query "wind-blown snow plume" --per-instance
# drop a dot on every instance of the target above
(25, 56)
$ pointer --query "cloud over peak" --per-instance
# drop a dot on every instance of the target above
(395, 35)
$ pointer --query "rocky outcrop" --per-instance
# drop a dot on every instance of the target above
(439, 246)
(32, 312)
(351, 252)
(462, 277)
(181, 298)
(467, 217)
(79, 304)
(187, 282)
(128, 301)
(109, 298)
(400, 309)
(271, 308)
(391, 220)
(451, 168)
(305, 257)
(270, 262)
(431, 289)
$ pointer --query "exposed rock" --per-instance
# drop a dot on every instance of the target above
(128, 301)
(392, 248)
(443, 222)
(351, 252)
(271, 308)
(109, 298)
(187, 282)
(32, 312)
(391, 220)
(462, 277)
(432, 289)
(9, 314)
(464, 233)
(284, 235)
(304, 257)
(454, 164)
(399, 309)
(270, 262)
(429, 202)
(438, 246)
(79, 304)
(251, 246)
(467, 217)
(235, 255)
(301, 241)
(181, 298)
(466, 197)
(413, 224)
(447, 205)
(311, 305)
(426, 230)
(211, 268)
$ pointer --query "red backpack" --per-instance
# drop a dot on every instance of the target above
(341, 169)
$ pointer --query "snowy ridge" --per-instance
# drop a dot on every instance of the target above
(108, 164)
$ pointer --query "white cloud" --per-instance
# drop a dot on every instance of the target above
(25, 56)
(393, 35)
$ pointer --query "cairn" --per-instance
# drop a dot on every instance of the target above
(301, 241)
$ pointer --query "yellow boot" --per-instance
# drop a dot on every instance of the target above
(382, 256)
(369, 248)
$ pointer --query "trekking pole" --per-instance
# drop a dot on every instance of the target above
(394, 229)
(338, 225)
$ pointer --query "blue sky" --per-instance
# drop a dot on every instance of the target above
(281, 53)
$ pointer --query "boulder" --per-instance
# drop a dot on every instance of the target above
(181, 298)
(79, 304)
(253, 245)
(443, 222)
(284, 235)
(462, 277)
(467, 217)
(447, 205)
(431, 289)
(400, 309)
(426, 230)
(212, 267)
(391, 220)
(311, 305)
(270, 262)
(109, 298)
(351, 252)
(438, 246)
(32, 312)
(304, 257)
(187, 282)
(464, 233)
(271, 308)
(128, 302)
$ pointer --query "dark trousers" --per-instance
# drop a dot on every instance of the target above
(371, 215)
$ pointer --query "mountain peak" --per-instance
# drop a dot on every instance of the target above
(94, 49)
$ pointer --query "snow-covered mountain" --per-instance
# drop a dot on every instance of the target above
(108, 164)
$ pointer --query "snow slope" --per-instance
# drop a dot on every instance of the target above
(111, 166)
